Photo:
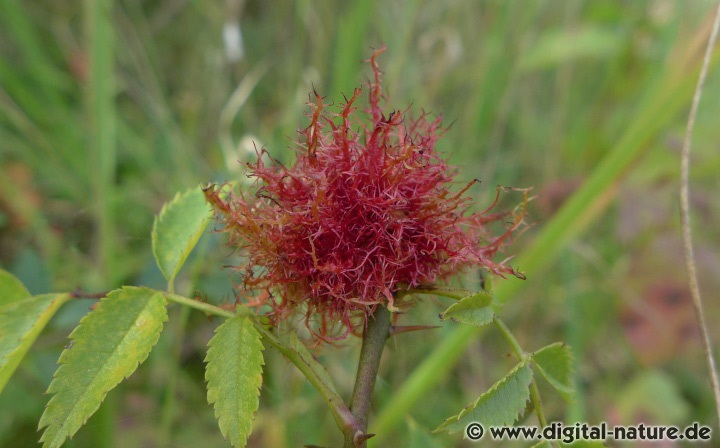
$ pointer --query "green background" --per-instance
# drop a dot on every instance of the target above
(109, 108)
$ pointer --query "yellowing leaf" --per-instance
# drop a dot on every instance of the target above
(105, 348)
(177, 230)
(472, 310)
(498, 406)
(21, 322)
(234, 376)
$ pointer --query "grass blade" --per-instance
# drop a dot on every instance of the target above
(100, 110)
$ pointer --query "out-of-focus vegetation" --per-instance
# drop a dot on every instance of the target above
(108, 108)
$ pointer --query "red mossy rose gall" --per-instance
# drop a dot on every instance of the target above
(367, 210)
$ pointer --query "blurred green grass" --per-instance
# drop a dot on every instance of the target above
(108, 108)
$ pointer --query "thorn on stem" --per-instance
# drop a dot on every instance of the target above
(360, 438)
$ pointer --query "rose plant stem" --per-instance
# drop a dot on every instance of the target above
(374, 337)
(522, 357)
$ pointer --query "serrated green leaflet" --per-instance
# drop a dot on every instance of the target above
(21, 322)
(11, 289)
(177, 230)
(554, 362)
(234, 376)
(498, 406)
(472, 310)
(105, 348)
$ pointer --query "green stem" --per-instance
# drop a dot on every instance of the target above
(537, 403)
(510, 338)
(202, 306)
(450, 293)
(523, 356)
(344, 419)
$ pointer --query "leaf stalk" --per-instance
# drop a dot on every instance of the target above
(522, 355)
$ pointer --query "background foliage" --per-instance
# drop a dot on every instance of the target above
(107, 109)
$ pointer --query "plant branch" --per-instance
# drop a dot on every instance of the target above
(450, 293)
(510, 338)
(345, 419)
(374, 337)
(520, 353)
(685, 215)
(537, 403)
(202, 306)
(80, 294)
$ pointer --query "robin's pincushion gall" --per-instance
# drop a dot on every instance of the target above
(365, 211)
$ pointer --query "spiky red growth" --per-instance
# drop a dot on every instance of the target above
(359, 216)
